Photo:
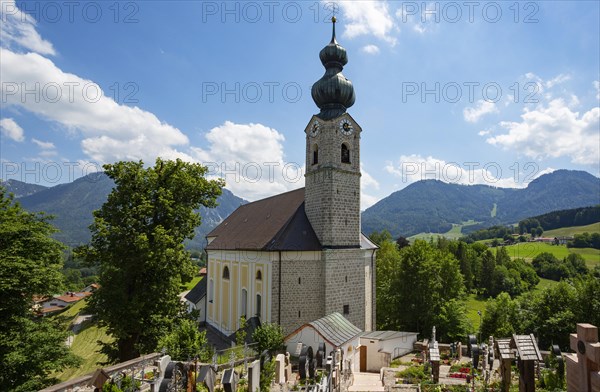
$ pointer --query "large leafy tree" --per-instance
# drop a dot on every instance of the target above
(30, 262)
(137, 241)
(425, 278)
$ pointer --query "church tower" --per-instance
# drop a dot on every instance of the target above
(332, 197)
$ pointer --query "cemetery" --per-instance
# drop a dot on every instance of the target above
(501, 364)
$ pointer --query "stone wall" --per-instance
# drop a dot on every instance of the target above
(302, 290)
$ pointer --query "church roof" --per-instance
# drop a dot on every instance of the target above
(275, 223)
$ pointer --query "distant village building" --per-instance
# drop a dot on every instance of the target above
(300, 255)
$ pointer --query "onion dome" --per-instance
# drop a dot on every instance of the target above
(333, 93)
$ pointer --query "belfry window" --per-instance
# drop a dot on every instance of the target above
(258, 275)
(345, 154)
(315, 155)
(226, 273)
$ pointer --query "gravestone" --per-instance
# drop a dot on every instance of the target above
(320, 355)
(529, 353)
(472, 342)
(229, 380)
(162, 363)
(207, 377)
(254, 376)
(506, 356)
(280, 369)
(583, 367)
(304, 362)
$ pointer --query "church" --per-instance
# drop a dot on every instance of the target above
(299, 256)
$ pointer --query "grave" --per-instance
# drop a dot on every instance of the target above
(207, 376)
(280, 369)
(583, 367)
(229, 380)
(528, 353)
(254, 376)
(506, 356)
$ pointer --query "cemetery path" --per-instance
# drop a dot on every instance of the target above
(370, 382)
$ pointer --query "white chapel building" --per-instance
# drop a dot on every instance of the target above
(299, 256)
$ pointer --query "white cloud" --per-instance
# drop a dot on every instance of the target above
(367, 18)
(43, 145)
(367, 184)
(18, 28)
(251, 160)
(597, 87)
(12, 130)
(557, 80)
(413, 168)
(110, 131)
(473, 114)
(483, 133)
(370, 49)
(552, 131)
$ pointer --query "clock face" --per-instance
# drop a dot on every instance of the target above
(314, 129)
(346, 127)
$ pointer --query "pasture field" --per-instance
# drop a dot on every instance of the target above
(528, 250)
(570, 231)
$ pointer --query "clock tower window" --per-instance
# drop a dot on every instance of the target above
(315, 159)
(345, 153)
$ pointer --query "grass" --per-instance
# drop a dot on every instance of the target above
(190, 285)
(85, 345)
(475, 303)
(453, 234)
(528, 250)
(570, 231)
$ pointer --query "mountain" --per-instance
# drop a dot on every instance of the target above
(433, 206)
(20, 188)
(72, 205)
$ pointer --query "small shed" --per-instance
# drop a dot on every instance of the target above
(529, 353)
(334, 331)
(383, 346)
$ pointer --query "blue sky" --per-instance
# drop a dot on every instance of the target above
(469, 92)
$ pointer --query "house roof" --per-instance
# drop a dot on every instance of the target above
(334, 328)
(275, 223)
(387, 335)
(197, 293)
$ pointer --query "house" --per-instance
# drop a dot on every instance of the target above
(300, 256)
(196, 299)
(59, 302)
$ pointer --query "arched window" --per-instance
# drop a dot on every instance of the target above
(226, 273)
(244, 302)
(258, 275)
(345, 154)
(258, 305)
(315, 155)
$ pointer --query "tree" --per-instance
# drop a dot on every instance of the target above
(269, 336)
(500, 317)
(30, 262)
(426, 278)
(402, 242)
(186, 342)
(452, 322)
(486, 279)
(380, 237)
(388, 261)
(137, 242)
